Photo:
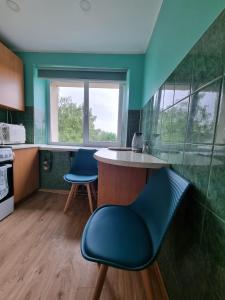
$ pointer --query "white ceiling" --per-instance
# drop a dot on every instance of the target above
(111, 26)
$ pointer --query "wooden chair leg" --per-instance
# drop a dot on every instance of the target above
(94, 194)
(90, 197)
(93, 191)
(147, 284)
(72, 195)
(100, 282)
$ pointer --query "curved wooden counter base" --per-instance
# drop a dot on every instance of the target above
(122, 176)
(118, 184)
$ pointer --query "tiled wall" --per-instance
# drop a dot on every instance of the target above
(184, 123)
(60, 163)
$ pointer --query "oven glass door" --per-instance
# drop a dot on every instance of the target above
(6, 190)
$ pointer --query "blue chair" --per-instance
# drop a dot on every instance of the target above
(84, 171)
(129, 237)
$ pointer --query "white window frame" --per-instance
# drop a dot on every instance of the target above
(122, 119)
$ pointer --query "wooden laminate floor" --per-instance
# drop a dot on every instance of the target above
(40, 255)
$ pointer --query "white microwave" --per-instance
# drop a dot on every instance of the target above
(12, 134)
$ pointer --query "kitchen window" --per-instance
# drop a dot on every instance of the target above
(85, 112)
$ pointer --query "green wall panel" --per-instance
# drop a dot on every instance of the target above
(184, 125)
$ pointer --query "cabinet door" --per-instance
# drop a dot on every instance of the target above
(25, 172)
(11, 80)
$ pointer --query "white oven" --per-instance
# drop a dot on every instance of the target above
(6, 182)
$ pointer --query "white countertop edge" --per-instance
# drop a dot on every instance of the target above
(156, 163)
(45, 147)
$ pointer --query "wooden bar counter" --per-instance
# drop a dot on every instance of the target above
(123, 174)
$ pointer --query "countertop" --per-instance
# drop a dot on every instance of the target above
(129, 159)
(48, 147)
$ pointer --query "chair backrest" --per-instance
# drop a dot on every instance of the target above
(84, 163)
(158, 202)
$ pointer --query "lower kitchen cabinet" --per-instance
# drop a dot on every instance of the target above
(25, 172)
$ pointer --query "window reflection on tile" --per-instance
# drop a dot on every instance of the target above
(156, 112)
(216, 191)
(161, 97)
(196, 166)
(156, 129)
(203, 113)
(179, 121)
(220, 131)
(182, 91)
(165, 134)
(161, 151)
(175, 156)
(168, 93)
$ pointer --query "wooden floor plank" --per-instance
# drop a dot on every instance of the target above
(40, 255)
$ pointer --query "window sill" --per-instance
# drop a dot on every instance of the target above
(64, 148)
(56, 148)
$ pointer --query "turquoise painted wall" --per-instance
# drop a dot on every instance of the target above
(134, 63)
(179, 26)
(39, 86)
(40, 108)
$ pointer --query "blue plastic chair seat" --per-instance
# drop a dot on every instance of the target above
(73, 178)
(115, 235)
(129, 237)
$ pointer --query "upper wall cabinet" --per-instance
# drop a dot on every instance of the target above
(11, 80)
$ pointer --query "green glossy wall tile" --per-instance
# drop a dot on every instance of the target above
(183, 79)
(179, 121)
(203, 114)
(176, 157)
(3, 115)
(216, 190)
(166, 126)
(161, 97)
(146, 119)
(189, 133)
(181, 261)
(212, 249)
(196, 165)
(207, 56)
(220, 131)
(169, 87)
(60, 163)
